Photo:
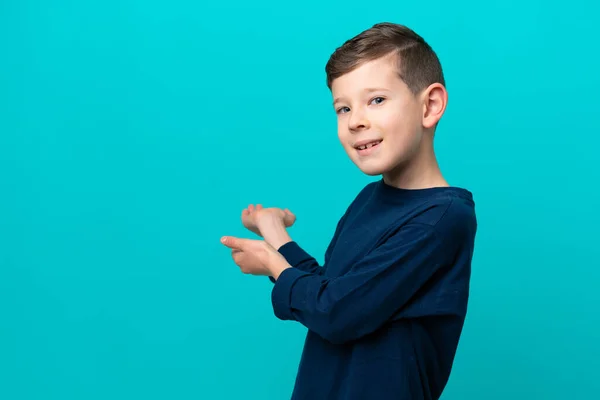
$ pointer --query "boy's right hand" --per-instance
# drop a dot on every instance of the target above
(253, 217)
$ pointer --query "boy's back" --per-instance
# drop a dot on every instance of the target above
(397, 271)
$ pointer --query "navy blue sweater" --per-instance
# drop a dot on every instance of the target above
(386, 310)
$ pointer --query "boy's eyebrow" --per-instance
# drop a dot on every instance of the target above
(337, 101)
(367, 90)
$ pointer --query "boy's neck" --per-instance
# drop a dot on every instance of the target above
(420, 172)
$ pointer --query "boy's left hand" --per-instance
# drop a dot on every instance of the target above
(253, 217)
(255, 257)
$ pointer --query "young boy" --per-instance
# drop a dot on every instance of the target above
(386, 310)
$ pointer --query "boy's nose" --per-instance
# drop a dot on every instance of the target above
(358, 122)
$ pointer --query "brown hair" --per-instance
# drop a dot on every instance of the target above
(418, 65)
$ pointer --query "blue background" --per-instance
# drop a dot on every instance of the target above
(132, 133)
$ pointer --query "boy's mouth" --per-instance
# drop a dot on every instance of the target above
(366, 148)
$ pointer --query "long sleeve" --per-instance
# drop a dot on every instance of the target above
(347, 307)
(300, 259)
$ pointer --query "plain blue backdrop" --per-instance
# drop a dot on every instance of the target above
(132, 134)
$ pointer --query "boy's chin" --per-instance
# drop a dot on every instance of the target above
(371, 170)
(372, 166)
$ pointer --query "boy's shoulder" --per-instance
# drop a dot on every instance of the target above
(450, 212)
(441, 216)
(455, 199)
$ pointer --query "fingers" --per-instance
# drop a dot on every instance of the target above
(233, 242)
(288, 217)
(251, 208)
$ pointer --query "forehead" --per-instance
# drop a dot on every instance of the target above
(381, 73)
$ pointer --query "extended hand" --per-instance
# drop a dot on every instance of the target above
(255, 257)
(253, 217)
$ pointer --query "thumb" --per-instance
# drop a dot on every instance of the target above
(233, 242)
(289, 217)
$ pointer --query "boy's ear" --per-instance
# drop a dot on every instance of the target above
(435, 99)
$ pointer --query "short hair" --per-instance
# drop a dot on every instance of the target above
(418, 65)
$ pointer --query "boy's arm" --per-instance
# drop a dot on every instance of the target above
(274, 232)
(271, 224)
(378, 287)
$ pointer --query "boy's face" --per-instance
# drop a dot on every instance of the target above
(376, 108)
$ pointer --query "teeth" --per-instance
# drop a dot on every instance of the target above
(368, 145)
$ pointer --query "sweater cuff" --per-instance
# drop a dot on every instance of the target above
(293, 253)
(282, 292)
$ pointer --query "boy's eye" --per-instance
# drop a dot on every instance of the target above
(343, 110)
(378, 100)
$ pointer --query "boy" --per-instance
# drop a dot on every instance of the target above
(386, 310)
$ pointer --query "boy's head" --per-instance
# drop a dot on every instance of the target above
(388, 89)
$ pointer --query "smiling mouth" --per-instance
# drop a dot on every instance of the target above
(368, 145)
